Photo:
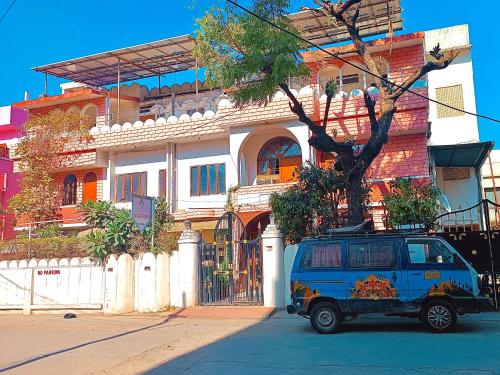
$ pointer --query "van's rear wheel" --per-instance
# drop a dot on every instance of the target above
(439, 316)
(325, 317)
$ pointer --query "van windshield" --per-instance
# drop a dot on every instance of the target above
(429, 251)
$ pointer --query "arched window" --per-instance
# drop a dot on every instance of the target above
(69, 190)
(89, 187)
(277, 161)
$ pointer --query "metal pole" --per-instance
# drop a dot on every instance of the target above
(119, 79)
(196, 84)
(45, 86)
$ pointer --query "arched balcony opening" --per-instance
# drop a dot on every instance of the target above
(354, 81)
(90, 116)
(277, 161)
(327, 74)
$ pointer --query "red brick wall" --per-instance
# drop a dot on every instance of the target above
(401, 157)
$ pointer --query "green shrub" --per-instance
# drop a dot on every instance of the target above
(55, 247)
(411, 203)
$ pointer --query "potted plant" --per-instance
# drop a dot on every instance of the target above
(411, 205)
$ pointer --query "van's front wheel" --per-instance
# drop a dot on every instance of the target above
(325, 317)
(439, 316)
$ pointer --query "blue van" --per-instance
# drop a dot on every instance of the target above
(406, 275)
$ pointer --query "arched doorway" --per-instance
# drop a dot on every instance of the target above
(277, 161)
(257, 225)
(89, 187)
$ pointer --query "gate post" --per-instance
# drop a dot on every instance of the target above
(189, 264)
(273, 273)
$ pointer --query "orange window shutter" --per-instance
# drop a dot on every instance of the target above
(287, 168)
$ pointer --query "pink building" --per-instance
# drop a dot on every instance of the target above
(11, 120)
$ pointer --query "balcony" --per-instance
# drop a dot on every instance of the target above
(257, 196)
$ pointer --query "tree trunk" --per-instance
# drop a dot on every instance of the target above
(354, 193)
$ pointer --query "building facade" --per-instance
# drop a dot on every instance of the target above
(190, 145)
(11, 120)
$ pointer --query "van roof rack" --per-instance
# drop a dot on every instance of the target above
(392, 233)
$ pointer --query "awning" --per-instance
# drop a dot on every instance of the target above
(375, 17)
(470, 155)
(142, 61)
(175, 54)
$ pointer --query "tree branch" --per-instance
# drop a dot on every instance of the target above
(442, 61)
(370, 105)
(320, 139)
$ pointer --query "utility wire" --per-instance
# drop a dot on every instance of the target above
(356, 66)
(7, 10)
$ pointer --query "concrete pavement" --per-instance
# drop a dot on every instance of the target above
(190, 343)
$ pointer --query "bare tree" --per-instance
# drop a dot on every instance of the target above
(354, 165)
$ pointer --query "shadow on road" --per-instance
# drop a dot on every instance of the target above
(61, 351)
(288, 345)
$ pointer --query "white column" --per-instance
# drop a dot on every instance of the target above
(274, 278)
(189, 262)
(108, 193)
(28, 290)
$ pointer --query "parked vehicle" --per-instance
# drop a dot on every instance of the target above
(415, 276)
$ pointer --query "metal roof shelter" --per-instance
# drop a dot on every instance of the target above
(142, 61)
(175, 54)
(461, 155)
(375, 17)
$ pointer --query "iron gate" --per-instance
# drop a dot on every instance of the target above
(475, 233)
(231, 266)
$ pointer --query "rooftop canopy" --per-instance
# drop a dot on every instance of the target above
(175, 54)
(375, 17)
(462, 155)
(142, 61)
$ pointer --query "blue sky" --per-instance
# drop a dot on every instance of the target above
(37, 32)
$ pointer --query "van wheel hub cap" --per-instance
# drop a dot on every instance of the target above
(326, 318)
(439, 317)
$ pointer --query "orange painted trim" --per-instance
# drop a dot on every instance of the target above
(47, 101)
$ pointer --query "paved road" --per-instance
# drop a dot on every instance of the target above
(282, 345)
(286, 345)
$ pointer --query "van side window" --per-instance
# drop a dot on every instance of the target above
(429, 251)
(323, 255)
(372, 254)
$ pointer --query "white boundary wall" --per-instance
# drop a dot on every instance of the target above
(121, 285)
